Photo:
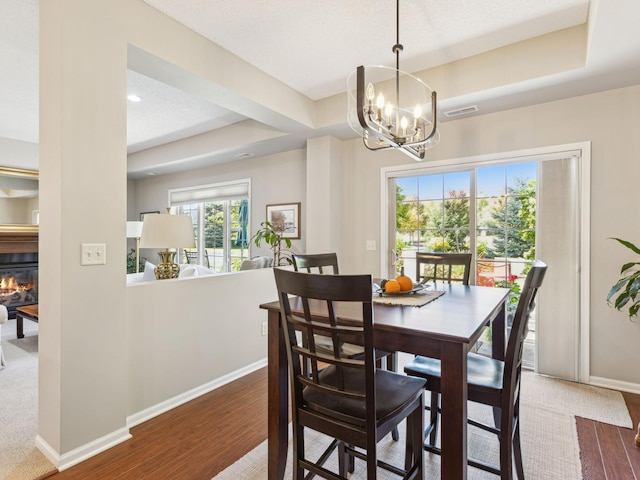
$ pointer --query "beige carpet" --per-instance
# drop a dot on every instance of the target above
(19, 458)
(548, 434)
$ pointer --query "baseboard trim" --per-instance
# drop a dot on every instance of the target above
(162, 407)
(69, 459)
(614, 384)
(88, 450)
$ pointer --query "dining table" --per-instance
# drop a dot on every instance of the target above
(446, 328)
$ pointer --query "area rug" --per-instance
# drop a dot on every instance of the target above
(19, 458)
(548, 435)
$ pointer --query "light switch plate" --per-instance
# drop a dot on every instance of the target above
(371, 244)
(94, 254)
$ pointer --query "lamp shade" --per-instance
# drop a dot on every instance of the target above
(134, 229)
(167, 231)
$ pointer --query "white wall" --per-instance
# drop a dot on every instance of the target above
(187, 334)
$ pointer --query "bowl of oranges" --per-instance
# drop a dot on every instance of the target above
(401, 285)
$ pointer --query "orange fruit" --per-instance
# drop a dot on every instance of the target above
(405, 283)
(391, 286)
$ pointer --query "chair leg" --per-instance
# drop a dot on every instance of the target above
(415, 440)
(392, 363)
(298, 452)
(343, 460)
(506, 448)
(517, 452)
(433, 417)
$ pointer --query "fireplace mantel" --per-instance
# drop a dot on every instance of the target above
(18, 242)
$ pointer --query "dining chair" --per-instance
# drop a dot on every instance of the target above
(491, 382)
(316, 263)
(349, 399)
(442, 267)
(192, 258)
(321, 263)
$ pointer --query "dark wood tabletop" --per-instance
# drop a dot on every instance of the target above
(446, 328)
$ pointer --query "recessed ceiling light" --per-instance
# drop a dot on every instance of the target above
(133, 98)
(244, 155)
(154, 173)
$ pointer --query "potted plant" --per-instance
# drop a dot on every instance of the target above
(626, 288)
(274, 238)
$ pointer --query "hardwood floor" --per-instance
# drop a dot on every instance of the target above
(192, 442)
(609, 452)
(201, 438)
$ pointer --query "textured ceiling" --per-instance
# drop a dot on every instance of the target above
(312, 46)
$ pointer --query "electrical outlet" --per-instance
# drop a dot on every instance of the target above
(264, 328)
(94, 254)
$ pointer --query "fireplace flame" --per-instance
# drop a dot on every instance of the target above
(9, 286)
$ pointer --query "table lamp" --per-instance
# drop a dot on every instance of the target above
(167, 231)
(134, 230)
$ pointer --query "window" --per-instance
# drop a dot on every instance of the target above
(220, 215)
(490, 210)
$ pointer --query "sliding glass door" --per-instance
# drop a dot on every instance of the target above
(507, 212)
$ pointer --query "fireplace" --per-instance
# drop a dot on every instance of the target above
(18, 280)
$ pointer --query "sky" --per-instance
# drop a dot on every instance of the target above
(491, 181)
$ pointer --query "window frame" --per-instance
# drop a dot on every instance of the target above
(220, 192)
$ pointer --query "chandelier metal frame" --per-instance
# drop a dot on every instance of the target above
(387, 126)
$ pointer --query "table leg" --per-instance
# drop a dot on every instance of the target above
(19, 324)
(278, 399)
(454, 412)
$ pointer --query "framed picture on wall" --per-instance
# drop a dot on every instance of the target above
(142, 214)
(285, 218)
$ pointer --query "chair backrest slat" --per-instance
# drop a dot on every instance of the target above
(443, 267)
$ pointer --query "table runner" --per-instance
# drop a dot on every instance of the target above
(417, 299)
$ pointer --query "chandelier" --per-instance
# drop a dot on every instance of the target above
(386, 119)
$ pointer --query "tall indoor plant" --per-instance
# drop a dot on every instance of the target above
(627, 287)
(274, 238)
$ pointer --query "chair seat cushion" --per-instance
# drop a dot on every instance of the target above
(393, 391)
(482, 372)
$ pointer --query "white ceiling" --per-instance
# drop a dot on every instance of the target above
(312, 46)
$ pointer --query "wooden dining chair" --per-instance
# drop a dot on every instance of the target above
(316, 263)
(491, 382)
(443, 267)
(327, 263)
(350, 400)
(192, 258)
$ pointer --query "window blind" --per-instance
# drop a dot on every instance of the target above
(235, 190)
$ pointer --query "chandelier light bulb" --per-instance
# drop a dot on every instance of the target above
(417, 112)
(388, 109)
(370, 92)
(404, 123)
